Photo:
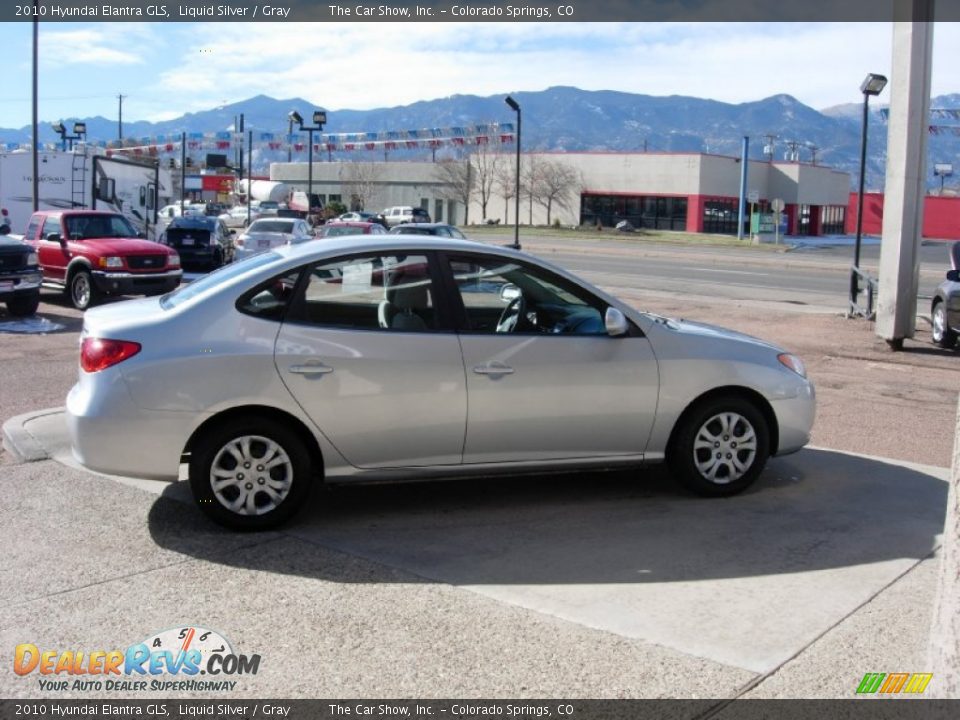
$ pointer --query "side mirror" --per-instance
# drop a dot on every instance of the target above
(953, 275)
(509, 293)
(616, 323)
(54, 237)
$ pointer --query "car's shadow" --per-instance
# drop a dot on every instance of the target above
(816, 510)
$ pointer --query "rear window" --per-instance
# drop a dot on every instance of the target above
(277, 226)
(331, 231)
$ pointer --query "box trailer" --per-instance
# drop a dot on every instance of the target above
(84, 178)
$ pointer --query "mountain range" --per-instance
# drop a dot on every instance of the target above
(570, 119)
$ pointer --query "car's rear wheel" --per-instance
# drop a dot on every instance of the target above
(941, 334)
(23, 305)
(250, 473)
(721, 446)
(81, 290)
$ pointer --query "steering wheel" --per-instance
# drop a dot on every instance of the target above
(512, 314)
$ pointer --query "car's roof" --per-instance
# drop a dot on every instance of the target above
(424, 225)
(350, 223)
(193, 221)
(387, 242)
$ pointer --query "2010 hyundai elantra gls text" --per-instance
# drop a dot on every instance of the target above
(413, 357)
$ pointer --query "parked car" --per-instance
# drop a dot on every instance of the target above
(405, 214)
(356, 359)
(20, 275)
(90, 253)
(267, 208)
(336, 228)
(236, 217)
(439, 229)
(359, 216)
(267, 233)
(945, 306)
(203, 241)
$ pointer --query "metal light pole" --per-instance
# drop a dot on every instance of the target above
(79, 130)
(290, 136)
(36, 135)
(516, 212)
(872, 85)
(319, 120)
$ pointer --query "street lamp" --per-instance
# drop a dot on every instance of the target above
(290, 135)
(872, 85)
(943, 171)
(319, 120)
(79, 130)
(515, 106)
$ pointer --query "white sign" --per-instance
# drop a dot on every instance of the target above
(753, 196)
(776, 205)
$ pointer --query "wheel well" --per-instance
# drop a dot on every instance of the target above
(76, 265)
(280, 416)
(752, 396)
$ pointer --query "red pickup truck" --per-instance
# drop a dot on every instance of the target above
(90, 253)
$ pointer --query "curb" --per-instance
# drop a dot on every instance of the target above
(18, 441)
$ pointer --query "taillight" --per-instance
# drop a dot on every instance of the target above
(98, 354)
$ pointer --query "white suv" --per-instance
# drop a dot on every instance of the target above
(401, 214)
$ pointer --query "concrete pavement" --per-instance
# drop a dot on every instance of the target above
(568, 586)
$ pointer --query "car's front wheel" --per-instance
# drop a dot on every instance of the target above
(250, 473)
(941, 334)
(721, 446)
(82, 291)
(23, 305)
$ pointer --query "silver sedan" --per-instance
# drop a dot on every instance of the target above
(413, 357)
(271, 232)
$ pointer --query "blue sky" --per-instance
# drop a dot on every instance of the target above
(167, 69)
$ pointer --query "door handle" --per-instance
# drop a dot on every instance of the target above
(317, 369)
(493, 369)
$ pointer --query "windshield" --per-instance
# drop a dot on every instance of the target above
(82, 227)
(217, 277)
(275, 226)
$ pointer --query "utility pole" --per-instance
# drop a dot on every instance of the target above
(794, 156)
(120, 117)
(813, 152)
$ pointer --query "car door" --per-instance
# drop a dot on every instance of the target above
(54, 256)
(375, 363)
(544, 379)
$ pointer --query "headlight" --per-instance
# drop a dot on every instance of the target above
(33, 259)
(174, 259)
(793, 362)
(111, 262)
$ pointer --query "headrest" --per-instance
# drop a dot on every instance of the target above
(411, 296)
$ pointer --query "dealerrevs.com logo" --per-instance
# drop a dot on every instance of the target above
(186, 658)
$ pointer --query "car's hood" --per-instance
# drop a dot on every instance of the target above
(125, 246)
(689, 327)
(12, 245)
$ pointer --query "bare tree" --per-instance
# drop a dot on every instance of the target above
(360, 181)
(486, 164)
(456, 180)
(506, 185)
(554, 182)
(529, 181)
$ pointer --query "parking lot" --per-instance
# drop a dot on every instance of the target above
(580, 585)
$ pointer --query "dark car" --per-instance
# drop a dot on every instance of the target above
(945, 306)
(438, 229)
(20, 275)
(201, 241)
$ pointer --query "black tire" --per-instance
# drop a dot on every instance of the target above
(290, 479)
(721, 426)
(23, 305)
(941, 334)
(81, 290)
